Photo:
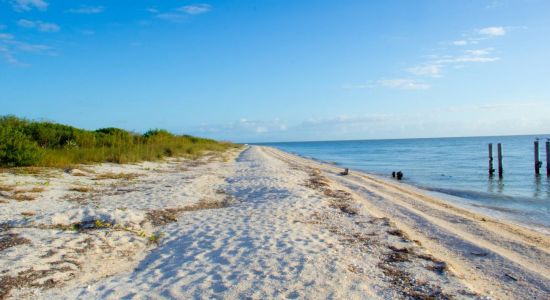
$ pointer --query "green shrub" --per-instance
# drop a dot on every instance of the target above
(16, 149)
(157, 133)
(24, 142)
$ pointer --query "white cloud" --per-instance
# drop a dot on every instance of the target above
(89, 10)
(470, 56)
(9, 57)
(492, 31)
(467, 59)
(182, 13)
(431, 70)
(246, 127)
(48, 27)
(494, 4)
(399, 84)
(39, 25)
(10, 47)
(26, 23)
(480, 52)
(35, 48)
(460, 43)
(26, 5)
(6, 36)
(196, 9)
(403, 84)
(261, 129)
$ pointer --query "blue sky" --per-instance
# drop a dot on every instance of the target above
(280, 70)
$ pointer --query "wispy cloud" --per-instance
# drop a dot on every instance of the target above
(435, 66)
(34, 48)
(246, 126)
(39, 25)
(10, 48)
(181, 13)
(399, 84)
(492, 31)
(8, 56)
(460, 42)
(26, 5)
(519, 116)
(430, 69)
(196, 9)
(403, 84)
(87, 10)
(469, 56)
(495, 4)
(6, 36)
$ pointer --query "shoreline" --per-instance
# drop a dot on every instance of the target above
(259, 223)
(512, 215)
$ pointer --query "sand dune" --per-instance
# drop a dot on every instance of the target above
(260, 224)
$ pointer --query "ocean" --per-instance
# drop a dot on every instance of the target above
(453, 168)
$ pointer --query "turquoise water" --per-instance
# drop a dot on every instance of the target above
(456, 168)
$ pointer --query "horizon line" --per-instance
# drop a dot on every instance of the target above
(394, 139)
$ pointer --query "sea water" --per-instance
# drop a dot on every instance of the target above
(455, 168)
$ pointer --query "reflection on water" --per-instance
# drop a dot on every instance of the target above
(495, 184)
(538, 186)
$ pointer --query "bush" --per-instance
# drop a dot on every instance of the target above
(24, 142)
(16, 149)
(157, 133)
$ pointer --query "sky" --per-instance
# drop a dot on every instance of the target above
(280, 70)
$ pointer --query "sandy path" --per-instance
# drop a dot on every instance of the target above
(494, 257)
(293, 229)
(249, 250)
(283, 238)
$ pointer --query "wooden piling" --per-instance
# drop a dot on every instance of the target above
(499, 154)
(548, 157)
(537, 161)
(491, 169)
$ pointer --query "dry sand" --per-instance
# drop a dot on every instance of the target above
(254, 224)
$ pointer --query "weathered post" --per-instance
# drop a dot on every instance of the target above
(537, 162)
(491, 169)
(499, 154)
(548, 157)
(399, 175)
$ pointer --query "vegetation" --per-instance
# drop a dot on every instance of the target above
(31, 143)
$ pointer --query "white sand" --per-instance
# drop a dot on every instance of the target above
(293, 228)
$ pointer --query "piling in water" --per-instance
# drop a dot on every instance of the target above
(499, 154)
(491, 169)
(537, 161)
(399, 175)
(548, 157)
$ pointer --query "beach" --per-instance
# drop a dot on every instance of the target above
(252, 223)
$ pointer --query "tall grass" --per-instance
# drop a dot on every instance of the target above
(31, 143)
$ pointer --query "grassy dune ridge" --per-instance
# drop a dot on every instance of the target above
(32, 143)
